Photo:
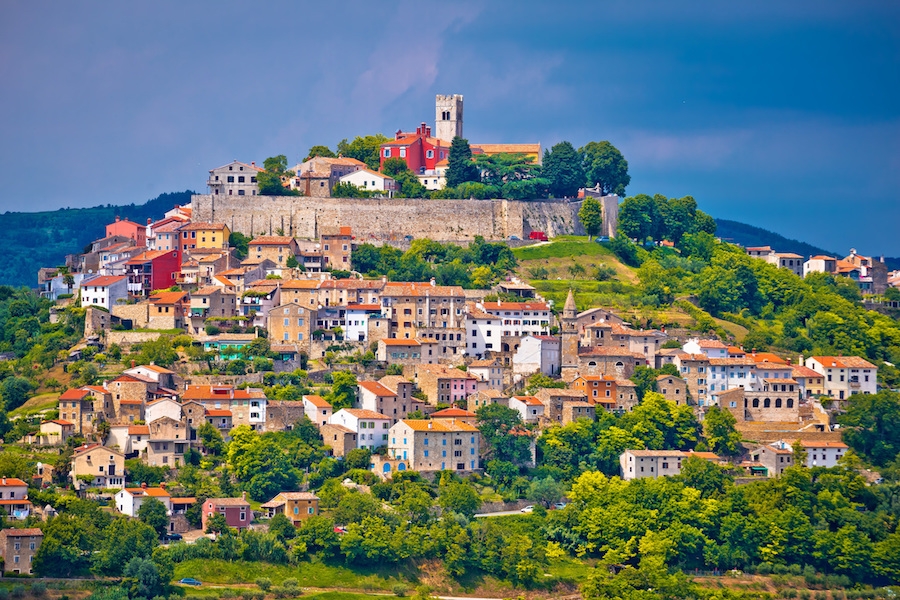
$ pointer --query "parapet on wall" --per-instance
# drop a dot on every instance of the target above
(393, 219)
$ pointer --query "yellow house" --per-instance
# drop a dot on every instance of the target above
(812, 383)
(204, 235)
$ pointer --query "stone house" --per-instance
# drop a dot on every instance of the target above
(485, 397)
(436, 445)
(296, 506)
(553, 400)
(402, 351)
(341, 439)
(18, 548)
(673, 388)
(640, 464)
(168, 443)
(316, 409)
(530, 408)
(292, 323)
(371, 427)
(105, 466)
(282, 415)
(277, 248)
(337, 248)
(234, 179)
(775, 457)
(442, 384)
(572, 410)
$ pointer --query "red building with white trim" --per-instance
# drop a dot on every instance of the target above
(153, 270)
(420, 151)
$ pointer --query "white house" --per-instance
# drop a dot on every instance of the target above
(639, 464)
(104, 291)
(483, 332)
(316, 409)
(519, 318)
(823, 454)
(356, 318)
(129, 500)
(845, 375)
(537, 353)
(165, 407)
(234, 179)
(372, 181)
(489, 373)
(371, 427)
(530, 408)
(710, 348)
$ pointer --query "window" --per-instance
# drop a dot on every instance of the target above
(240, 179)
(387, 152)
(403, 152)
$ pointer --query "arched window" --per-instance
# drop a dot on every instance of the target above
(756, 403)
(767, 403)
(777, 402)
(790, 403)
(592, 364)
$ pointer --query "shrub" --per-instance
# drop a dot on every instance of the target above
(17, 591)
(400, 590)
(4, 593)
(39, 589)
(804, 594)
(264, 583)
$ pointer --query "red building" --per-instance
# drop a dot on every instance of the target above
(129, 229)
(236, 511)
(420, 151)
(153, 270)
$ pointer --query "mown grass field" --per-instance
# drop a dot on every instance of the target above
(318, 575)
(35, 405)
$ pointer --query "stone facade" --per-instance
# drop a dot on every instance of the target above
(390, 219)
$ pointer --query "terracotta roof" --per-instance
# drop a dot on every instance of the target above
(375, 388)
(167, 297)
(711, 344)
(767, 357)
(30, 532)
(156, 369)
(400, 342)
(340, 428)
(216, 392)
(780, 380)
(147, 256)
(843, 362)
(59, 422)
(736, 350)
(487, 362)
(441, 425)
(74, 394)
(801, 371)
(660, 453)
(529, 400)
(661, 377)
(237, 162)
(391, 382)
(184, 500)
(155, 492)
(272, 240)
(361, 413)
(821, 257)
(732, 362)
(516, 306)
(808, 444)
(508, 148)
(317, 401)
(449, 413)
(11, 482)
(131, 402)
(445, 370)
(216, 412)
(423, 289)
(139, 430)
(199, 226)
(365, 307)
(607, 351)
(102, 281)
(19, 502)
(227, 502)
(297, 496)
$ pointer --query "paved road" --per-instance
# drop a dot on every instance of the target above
(502, 513)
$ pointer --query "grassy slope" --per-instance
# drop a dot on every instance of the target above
(35, 405)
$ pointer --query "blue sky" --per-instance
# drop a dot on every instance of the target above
(783, 115)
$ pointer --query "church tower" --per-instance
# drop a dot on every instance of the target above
(448, 117)
(570, 339)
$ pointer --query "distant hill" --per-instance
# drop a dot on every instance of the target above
(748, 235)
(42, 239)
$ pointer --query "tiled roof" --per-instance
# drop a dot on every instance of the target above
(452, 412)
(74, 394)
(300, 284)
(767, 357)
(801, 371)
(272, 240)
(711, 344)
(423, 289)
(103, 281)
(156, 492)
(29, 532)
(139, 430)
(167, 297)
(509, 148)
(529, 400)
(808, 444)
(655, 453)
(317, 401)
(441, 425)
(661, 377)
(364, 307)
(375, 388)
(391, 382)
(843, 362)
(12, 482)
(60, 422)
(732, 362)
(515, 306)
(217, 412)
(361, 413)
(227, 502)
(199, 226)
(400, 342)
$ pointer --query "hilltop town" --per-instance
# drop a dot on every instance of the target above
(319, 365)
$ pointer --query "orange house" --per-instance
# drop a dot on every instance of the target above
(130, 229)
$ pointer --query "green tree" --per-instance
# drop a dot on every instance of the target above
(153, 513)
(282, 528)
(501, 429)
(639, 218)
(460, 167)
(211, 438)
(605, 166)
(871, 426)
(323, 151)
(460, 498)
(240, 243)
(720, 432)
(562, 167)
(123, 540)
(546, 491)
(143, 580)
(343, 390)
(366, 148)
(271, 180)
(703, 475)
(15, 391)
(216, 523)
(68, 543)
(358, 458)
(591, 216)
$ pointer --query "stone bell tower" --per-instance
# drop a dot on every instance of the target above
(448, 117)
(570, 339)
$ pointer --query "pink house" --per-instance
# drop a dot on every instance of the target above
(236, 511)
(129, 229)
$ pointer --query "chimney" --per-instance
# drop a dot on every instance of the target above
(132, 363)
(429, 427)
(252, 163)
(244, 496)
(144, 485)
(432, 282)
(149, 220)
(162, 484)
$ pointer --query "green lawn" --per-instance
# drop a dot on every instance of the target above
(36, 405)
(318, 575)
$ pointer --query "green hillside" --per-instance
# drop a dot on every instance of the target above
(42, 239)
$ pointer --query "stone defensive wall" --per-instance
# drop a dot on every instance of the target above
(382, 219)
